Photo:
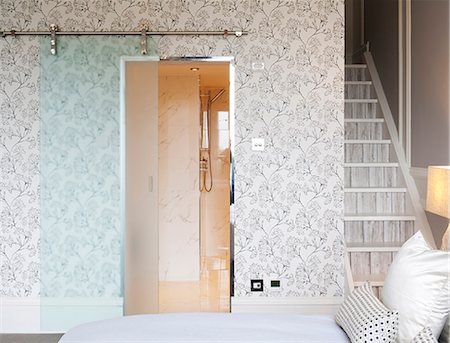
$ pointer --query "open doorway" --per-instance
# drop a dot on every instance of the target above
(177, 172)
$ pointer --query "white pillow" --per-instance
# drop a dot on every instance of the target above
(445, 335)
(417, 286)
(446, 240)
(365, 319)
(425, 336)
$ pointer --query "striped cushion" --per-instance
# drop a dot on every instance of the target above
(425, 336)
(365, 319)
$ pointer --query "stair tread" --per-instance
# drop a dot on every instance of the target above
(376, 280)
(367, 141)
(361, 100)
(356, 66)
(355, 82)
(371, 164)
(375, 190)
(379, 217)
(364, 120)
(374, 247)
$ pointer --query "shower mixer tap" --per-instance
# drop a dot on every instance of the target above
(205, 140)
(203, 165)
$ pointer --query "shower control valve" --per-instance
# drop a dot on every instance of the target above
(203, 164)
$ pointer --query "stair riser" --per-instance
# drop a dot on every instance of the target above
(360, 110)
(371, 263)
(364, 131)
(359, 92)
(366, 152)
(370, 177)
(372, 238)
(386, 203)
(357, 74)
(378, 231)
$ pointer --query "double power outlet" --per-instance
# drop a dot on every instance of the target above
(257, 285)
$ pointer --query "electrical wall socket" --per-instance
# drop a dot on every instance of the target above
(257, 285)
(275, 284)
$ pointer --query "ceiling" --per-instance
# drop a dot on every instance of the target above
(212, 74)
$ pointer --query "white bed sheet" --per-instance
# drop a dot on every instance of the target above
(209, 327)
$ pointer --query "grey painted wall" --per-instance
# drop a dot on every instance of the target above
(430, 144)
(430, 83)
(430, 74)
(381, 30)
(430, 70)
(353, 39)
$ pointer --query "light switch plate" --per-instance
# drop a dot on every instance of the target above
(257, 65)
(258, 144)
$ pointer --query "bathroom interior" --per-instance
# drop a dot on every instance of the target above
(177, 167)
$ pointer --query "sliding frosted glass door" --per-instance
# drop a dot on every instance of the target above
(81, 225)
(140, 183)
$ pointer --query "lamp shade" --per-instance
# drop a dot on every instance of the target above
(438, 201)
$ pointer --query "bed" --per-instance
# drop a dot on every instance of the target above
(209, 327)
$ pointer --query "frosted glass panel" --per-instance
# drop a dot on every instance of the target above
(179, 255)
(179, 196)
(81, 238)
(140, 120)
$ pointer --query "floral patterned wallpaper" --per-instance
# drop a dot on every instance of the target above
(19, 167)
(80, 166)
(289, 198)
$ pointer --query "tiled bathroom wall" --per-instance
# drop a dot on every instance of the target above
(194, 226)
(179, 212)
(179, 197)
(215, 211)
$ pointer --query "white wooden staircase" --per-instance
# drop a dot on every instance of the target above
(380, 213)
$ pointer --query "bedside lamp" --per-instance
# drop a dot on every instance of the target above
(438, 197)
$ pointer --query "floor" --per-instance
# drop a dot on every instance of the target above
(28, 338)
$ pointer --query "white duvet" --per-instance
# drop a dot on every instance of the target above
(209, 327)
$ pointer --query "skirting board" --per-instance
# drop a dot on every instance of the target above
(54, 315)
(20, 315)
(301, 305)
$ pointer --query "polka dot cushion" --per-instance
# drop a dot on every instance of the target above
(425, 336)
(365, 319)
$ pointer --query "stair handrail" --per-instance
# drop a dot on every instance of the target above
(421, 218)
(364, 47)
